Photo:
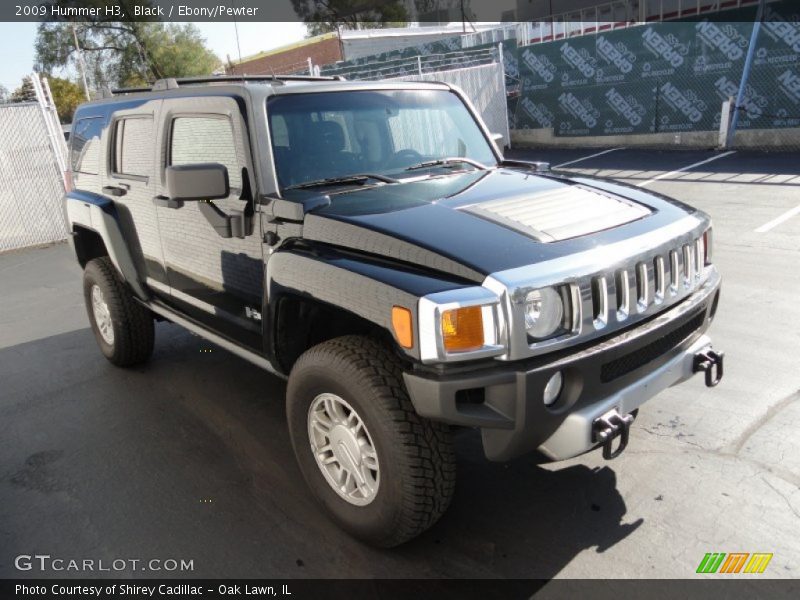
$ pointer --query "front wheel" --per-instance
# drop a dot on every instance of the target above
(381, 471)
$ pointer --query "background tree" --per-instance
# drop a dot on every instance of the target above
(125, 53)
(67, 96)
(323, 16)
(3, 94)
(24, 93)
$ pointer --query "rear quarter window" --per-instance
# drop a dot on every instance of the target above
(85, 145)
(133, 146)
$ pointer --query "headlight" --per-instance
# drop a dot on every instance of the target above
(544, 312)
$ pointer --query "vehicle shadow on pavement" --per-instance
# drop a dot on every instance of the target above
(198, 436)
(524, 520)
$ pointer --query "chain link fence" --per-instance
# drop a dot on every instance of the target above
(32, 165)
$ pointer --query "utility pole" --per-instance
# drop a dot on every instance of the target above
(81, 63)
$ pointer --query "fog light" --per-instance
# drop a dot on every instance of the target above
(553, 389)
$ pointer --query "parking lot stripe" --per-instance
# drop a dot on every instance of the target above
(687, 167)
(577, 160)
(777, 221)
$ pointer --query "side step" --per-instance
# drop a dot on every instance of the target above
(228, 345)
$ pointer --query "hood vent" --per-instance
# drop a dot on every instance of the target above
(562, 213)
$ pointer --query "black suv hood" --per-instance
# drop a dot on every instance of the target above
(476, 223)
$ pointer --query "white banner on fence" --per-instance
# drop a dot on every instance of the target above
(32, 161)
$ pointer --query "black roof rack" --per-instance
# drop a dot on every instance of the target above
(172, 83)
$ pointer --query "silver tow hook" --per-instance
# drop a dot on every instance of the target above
(710, 362)
(609, 426)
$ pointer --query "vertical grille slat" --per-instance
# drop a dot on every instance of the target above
(643, 285)
(599, 302)
(660, 280)
(699, 258)
(622, 294)
(688, 266)
(674, 272)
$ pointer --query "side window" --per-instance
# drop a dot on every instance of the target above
(85, 145)
(204, 140)
(133, 147)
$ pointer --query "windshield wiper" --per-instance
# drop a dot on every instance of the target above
(356, 178)
(442, 162)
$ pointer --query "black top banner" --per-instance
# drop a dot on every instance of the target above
(468, 11)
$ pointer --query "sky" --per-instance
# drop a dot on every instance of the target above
(17, 43)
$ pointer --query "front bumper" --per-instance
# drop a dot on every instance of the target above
(622, 372)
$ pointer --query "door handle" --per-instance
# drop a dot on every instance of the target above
(165, 202)
(113, 190)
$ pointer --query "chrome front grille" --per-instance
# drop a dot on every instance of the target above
(642, 287)
(609, 287)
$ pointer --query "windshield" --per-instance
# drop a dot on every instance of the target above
(328, 135)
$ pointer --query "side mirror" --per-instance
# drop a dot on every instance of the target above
(199, 181)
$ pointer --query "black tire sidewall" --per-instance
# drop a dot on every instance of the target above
(93, 276)
(371, 522)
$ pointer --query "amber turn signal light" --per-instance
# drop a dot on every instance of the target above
(401, 323)
(462, 329)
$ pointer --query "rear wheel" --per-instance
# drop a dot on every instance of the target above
(381, 471)
(123, 328)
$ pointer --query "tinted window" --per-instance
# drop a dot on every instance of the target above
(334, 134)
(85, 144)
(206, 140)
(133, 146)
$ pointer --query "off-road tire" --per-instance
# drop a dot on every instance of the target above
(132, 323)
(416, 458)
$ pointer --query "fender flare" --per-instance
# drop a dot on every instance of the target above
(99, 215)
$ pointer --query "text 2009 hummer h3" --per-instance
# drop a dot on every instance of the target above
(369, 242)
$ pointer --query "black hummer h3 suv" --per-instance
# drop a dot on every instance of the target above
(369, 242)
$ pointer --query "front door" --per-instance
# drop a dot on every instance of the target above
(217, 280)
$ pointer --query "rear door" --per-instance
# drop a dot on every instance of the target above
(217, 280)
